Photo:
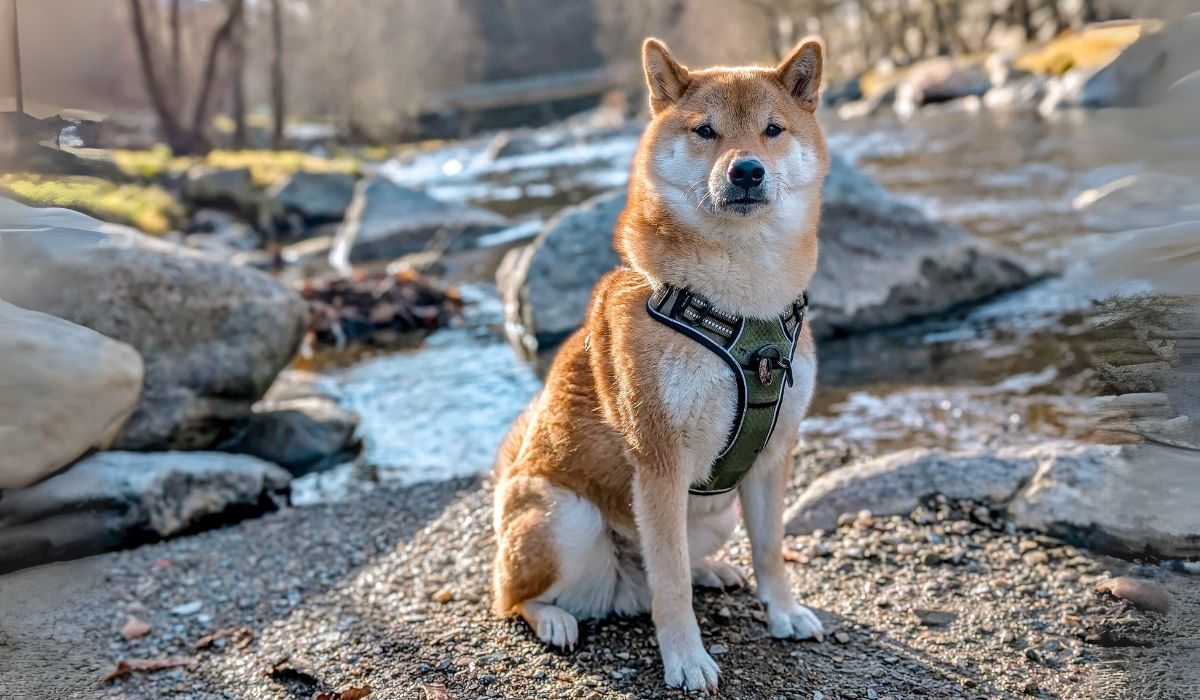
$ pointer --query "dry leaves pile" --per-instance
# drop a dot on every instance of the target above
(374, 307)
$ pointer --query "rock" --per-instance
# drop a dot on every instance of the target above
(316, 197)
(221, 187)
(934, 618)
(1129, 500)
(1025, 91)
(546, 286)
(64, 389)
(1147, 69)
(386, 221)
(302, 435)
(895, 484)
(1147, 595)
(213, 336)
(114, 499)
(883, 263)
(939, 80)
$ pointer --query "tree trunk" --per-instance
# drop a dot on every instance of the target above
(220, 38)
(238, 59)
(176, 59)
(16, 44)
(277, 93)
(178, 141)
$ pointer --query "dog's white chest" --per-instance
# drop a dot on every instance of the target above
(700, 395)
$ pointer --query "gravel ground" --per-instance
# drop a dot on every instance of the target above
(390, 591)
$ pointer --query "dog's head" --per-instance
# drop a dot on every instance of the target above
(733, 143)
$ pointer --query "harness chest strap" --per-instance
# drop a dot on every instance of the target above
(759, 353)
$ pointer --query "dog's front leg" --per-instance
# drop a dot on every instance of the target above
(660, 496)
(762, 504)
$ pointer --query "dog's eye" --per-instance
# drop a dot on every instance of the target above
(705, 131)
(773, 130)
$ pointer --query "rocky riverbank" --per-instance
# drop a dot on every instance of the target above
(389, 591)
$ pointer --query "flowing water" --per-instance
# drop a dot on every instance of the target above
(1013, 371)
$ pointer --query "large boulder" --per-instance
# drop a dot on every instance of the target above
(387, 221)
(115, 499)
(883, 263)
(212, 336)
(64, 389)
(1144, 72)
(1130, 500)
(315, 197)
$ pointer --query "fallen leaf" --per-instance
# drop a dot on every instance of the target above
(240, 636)
(353, 693)
(128, 666)
(436, 691)
(134, 628)
(443, 595)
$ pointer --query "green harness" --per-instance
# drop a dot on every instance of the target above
(759, 351)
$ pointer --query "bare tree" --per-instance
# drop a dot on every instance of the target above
(237, 57)
(16, 48)
(192, 138)
(278, 110)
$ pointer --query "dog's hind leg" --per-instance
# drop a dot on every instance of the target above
(555, 559)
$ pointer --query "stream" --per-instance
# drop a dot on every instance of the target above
(1010, 372)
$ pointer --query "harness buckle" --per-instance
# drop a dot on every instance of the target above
(767, 359)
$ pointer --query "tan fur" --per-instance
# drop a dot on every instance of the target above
(601, 429)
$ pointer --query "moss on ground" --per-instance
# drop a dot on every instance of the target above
(149, 208)
(265, 166)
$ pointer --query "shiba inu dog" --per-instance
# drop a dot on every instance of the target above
(608, 498)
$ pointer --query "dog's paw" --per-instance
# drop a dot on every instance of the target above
(557, 627)
(791, 620)
(691, 671)
(711, 573)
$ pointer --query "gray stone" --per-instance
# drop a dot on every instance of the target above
(64, 389)
(316, 197)
(222, 187)
(546, 286)
(113, 499)
(895, 484)
(302, 435)
(883, 263)
(1129, 500)
(1147, 70)
(213, 336)
(940, 80)
(386, 221)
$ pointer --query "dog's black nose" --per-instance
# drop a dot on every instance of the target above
(746, 173)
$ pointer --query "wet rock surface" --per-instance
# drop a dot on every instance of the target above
(64, 389)
(213, 336)
(116, 498)
(882, 263)
(357, 594)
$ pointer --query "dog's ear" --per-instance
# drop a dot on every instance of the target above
(666, 77)
(800, 72)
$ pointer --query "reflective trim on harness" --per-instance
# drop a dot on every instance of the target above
(754, 349)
